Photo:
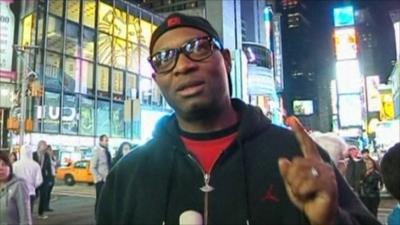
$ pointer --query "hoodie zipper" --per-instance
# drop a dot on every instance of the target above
(206, 188)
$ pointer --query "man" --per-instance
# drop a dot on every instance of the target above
(100, 164)
(29, 170)
(355, 169)
(42, 157)
(365, 153)
(217, 156)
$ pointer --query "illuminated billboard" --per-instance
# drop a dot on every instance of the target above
(350, 107)
(343, 16)
(348, 77)
(373, 96)
(345, 43)
(303, 107)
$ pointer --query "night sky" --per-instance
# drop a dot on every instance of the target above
(320, 14)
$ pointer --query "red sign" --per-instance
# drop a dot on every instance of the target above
(8, 74)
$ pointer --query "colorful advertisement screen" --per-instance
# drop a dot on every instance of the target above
(350, 110)
(348, 77)
(343, 16)
(303, 107)
(345, 43)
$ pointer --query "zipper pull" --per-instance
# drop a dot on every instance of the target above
(206, 188)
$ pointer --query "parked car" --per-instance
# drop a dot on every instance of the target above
(78, 171)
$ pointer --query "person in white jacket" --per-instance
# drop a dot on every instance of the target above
(29, 170)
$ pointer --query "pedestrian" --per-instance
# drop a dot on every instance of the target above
(123, 149)
(13, 157)
(365, 153)
(42, 157)
(14, 195)
(370, 186)
(219, 156)
(335, 146)
(29, 170)
(355, 168)
(100, 165)
(390, 168)
(53, 164)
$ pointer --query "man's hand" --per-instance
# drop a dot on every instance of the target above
(310, 182)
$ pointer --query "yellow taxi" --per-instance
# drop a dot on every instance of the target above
(78, 171)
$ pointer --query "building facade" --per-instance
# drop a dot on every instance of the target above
(90, 57)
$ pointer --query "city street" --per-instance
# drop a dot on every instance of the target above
(75, 205)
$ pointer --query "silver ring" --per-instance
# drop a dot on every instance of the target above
(314, 172)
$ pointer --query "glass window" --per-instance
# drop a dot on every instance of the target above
(117, 120)
(131, 89)
(146, 30)
(118, 84)
(81, 165)
(72, 42)
(103, 118)
(145, 90)
(69, 118)
(87, 77)
(88, 43)
(133, 57)
(145, 67)
(89, 7)
(73, 10)
(86, 117)
(103, 81)
(119, 53)
(56, 7)
(40, 14)
(52, 112)
(134, 29)
(104, 48)
(55, 34)
(71, 74)
(156, 96)
(120, 29)
(52, 71)
(105, 21)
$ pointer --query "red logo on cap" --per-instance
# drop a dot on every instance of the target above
(173, 21)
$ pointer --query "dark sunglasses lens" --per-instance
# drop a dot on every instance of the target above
(164, 60)
(198, 49)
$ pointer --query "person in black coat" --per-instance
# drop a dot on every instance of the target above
(42, 157)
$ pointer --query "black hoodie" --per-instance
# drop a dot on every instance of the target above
(159, 181)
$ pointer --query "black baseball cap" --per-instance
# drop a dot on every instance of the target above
(177, 20)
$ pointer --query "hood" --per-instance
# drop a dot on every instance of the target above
(26, 152)
(251, 119)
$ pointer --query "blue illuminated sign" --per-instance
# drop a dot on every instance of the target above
(343, 16)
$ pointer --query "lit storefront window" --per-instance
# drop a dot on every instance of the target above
(118, 84)
(71, 74)
(103, 81)
(73, 10)
(51, 113)
(86, 77)
(86, 117)
(131, 90)
(119, 53)
(145, 90)
(133, 57)
(69, 118)
(55, 34)
(89, 10)
(88, 43)
(56, 7)
(52, 71)
(104, 48)
(105, 21)
(27, 30)
(72, 43)
(103, 118)
(117, 120)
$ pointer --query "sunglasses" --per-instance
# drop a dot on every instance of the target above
(197, 49)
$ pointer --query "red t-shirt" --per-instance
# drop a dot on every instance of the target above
(208, 151)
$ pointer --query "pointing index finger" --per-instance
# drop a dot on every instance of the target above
(307, 145)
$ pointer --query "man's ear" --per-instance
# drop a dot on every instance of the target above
(228, 60)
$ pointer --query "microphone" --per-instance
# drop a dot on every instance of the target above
(191, 217)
